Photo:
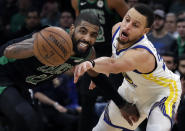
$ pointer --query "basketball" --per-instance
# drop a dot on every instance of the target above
(52, 46)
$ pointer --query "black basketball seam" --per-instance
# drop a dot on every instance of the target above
(40, 52)
(52, 47)
(59, 36)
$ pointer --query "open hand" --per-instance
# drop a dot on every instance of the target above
(130, 113)
(81, 69)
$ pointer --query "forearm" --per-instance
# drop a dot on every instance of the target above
(44, 99)
(20, 50)
(105, 65)
(108, 90)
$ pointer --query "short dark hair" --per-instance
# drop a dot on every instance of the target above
(89, 17)
(146, 11)
(180, 20)
(33, 9)
(168, 53)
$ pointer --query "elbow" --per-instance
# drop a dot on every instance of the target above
(7, 52)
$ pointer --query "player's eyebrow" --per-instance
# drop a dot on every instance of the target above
(136, 21)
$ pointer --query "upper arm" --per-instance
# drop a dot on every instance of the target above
(119, 6)
(115, 27)
(74, 4)
(135, 59)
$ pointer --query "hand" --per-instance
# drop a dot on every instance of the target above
(60, 108)
(92, 85)
(81, 69)
(130, 113)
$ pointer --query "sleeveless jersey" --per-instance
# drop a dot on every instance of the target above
(106, 17)
(30, 72)
(146, 89)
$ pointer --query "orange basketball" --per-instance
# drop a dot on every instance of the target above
(52, 46)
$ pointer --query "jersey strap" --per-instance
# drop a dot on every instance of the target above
(115, 34)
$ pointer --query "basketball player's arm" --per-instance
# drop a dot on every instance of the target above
(134, 59)
(20, 50)
(74, 4)
(46, 100)
(119, 6)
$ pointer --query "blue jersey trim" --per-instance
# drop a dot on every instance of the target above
(163, 110)
(117, 53)
(115, 34)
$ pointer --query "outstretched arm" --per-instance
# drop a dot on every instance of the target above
(20, 50)
(133, 59)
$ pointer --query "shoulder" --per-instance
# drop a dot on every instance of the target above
(115, 27)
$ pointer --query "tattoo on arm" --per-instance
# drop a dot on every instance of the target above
(20, 50)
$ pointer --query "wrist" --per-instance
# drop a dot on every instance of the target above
(92, 62)
(55, 104)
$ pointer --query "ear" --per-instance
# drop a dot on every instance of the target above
(72, 29)
(146, 30)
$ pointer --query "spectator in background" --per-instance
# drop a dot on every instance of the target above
(181, 15)
(50, 14)
(17, 20)
(59, 103)
(177, 6)
(66, 20)
(181, 38)
(180, 119)
(161, 39)
(7, 9)
(169, 59)
(171, 24)
(32, 23)
(181, 64)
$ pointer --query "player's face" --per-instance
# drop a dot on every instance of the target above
(84, 36)
(133, 27)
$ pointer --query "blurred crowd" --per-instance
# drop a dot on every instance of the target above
(60, 102)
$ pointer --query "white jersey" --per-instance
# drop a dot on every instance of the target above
(161, 86)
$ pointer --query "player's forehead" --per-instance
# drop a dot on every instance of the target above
(136, 16)
(88, 26)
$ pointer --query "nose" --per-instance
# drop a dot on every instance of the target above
(127, 26)
(87, 38)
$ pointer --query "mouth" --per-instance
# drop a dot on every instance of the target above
(82, 46)
(123, 36)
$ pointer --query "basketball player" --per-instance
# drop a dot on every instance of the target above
(108, 12)
(20, 70)
(148, 83)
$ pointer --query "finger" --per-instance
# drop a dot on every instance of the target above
(128, 119)
(134, 118)
(75, 75)
(92, 85)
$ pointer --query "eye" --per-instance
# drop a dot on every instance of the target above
(127, 19)
(82, 31)
(135, 25)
